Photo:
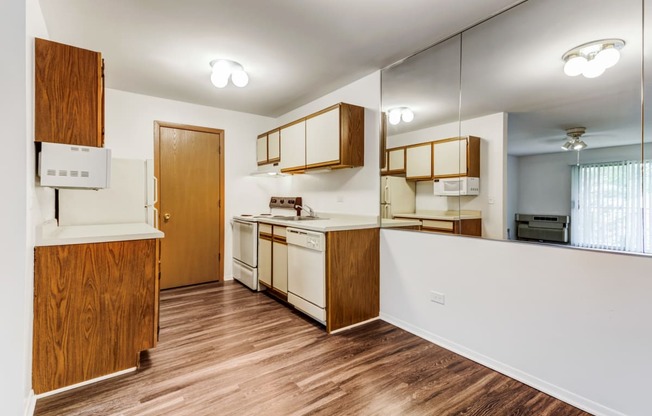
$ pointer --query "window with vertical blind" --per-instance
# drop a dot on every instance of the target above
(612, 206)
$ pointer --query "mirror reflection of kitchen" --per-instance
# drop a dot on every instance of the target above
(552, 94)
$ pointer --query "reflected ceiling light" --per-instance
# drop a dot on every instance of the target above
(395, 115)
(223, 69)
(593, 58)
(574, 141)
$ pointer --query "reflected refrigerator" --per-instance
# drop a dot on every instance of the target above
(398, 196)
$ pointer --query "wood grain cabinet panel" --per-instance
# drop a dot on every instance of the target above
(95, 308)
(69, 95)
(352, 277)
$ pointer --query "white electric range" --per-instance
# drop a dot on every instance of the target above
(245, 238)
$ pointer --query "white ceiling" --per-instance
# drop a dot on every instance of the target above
(512, 63)
(294, 51)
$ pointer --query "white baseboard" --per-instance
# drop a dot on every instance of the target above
(30, 406)
(84, 383)
(564, 395)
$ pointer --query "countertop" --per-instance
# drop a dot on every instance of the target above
(393, 223)
(50, 234)
(325, 223)
(443, 215)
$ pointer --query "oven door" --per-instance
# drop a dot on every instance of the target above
(245, 242)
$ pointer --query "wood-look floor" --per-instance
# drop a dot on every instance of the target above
(225, 350)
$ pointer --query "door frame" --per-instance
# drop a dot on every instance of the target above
(157, 166)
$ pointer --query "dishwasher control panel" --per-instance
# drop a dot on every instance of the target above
(308, 239)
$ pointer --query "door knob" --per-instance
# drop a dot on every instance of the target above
(167, 216)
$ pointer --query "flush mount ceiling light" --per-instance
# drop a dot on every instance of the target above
(593, 58)
(395, 115)
(574, 141)
(223, 69)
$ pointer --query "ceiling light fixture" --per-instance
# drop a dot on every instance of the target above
(223, 69)
(574, 141)
(395, 115)
(593, 58)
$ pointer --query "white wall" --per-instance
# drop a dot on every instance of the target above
(544, 185)
(129, 134)
(573, 323)
(345, 191)
(15, 302)
(491, 201)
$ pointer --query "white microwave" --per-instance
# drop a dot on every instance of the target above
(457, 186)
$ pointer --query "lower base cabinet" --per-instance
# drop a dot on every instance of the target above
(95, 309)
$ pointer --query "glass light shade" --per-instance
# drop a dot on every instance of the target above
(608, 57)
(579, 145)
(240, 78)
(567, 146)
(222, 68)
(575, 65)
(219, 80)
(407, 115)
(593, 69)
(394, 116)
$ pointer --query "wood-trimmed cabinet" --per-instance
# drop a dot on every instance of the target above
(395, 159)
(95, 309)
(273, 259)
(464, 226)
(332, 138)
(69, 95)
(268, 148)
(446, 158)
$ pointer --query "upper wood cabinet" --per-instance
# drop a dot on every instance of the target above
(455, 157)
(293, 147)
(395, 161)
(69, 95)
(335, 137)
(418, 161)
(268, 148)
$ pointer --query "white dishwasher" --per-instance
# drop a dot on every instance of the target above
(307, 272)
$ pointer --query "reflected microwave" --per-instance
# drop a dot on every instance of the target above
(457, 186)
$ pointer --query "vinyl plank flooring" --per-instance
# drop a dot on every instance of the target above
(227, 351)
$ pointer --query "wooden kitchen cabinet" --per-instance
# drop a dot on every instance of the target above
(273, 259)
(95, 309)
(280, 260)
(69, 95)
(455, 157)
(265, 254)
(293, 147)
(396, 161)
(268, 148)
(335, 137)
(418, 161)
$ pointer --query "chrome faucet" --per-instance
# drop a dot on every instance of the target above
(311, 212)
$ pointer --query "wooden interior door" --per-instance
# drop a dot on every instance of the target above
(191, 186)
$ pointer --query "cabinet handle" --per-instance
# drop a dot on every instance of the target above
(167, 216)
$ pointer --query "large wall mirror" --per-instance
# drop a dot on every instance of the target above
(543, 104)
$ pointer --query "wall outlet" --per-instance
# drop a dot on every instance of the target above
(437, 297)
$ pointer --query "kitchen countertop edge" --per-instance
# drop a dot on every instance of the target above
(49, 234)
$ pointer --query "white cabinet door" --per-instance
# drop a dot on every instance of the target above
(449, 158)
(323, 138)
(280, 267)
(293, 146)
(419, 161)
(265, 261)
(261, 149)
(396, 159)
(273, 146)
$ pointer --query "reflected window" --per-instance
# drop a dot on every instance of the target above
(608, 206)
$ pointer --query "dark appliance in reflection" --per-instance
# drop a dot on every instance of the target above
(543, 228)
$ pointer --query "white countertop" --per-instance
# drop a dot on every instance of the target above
(328, 222)
(49, 234)
(391, 223)
(443, 215)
